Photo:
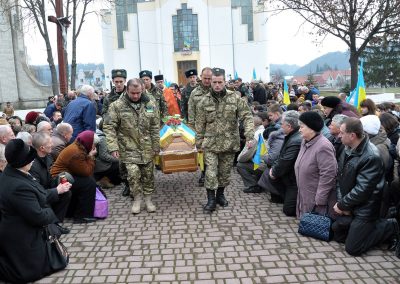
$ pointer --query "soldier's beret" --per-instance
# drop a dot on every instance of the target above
(190, 72)
(218, 72)
(146, 73)
(118, 73)
(158, 78)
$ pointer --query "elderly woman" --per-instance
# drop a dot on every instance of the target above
(24, 210)
(315, 167)
(78, 159)
(333, 106)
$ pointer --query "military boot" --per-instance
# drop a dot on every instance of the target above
(221, 200)
(211, 203)
(149, 205)
(136, 203)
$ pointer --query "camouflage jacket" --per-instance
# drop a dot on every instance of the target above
(158, 96)
(194, 99)
(134, 133)
(217, 122)
(185, 100)
(112, 97)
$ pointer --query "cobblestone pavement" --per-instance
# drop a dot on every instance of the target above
(251, 241)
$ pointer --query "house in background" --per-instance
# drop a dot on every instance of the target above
(332, 79)
(94, 78)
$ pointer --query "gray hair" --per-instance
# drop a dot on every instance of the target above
(39, 138)
(63, 128)
(25, 136)
(4, 129)
(41, 125)
(257, 121)
(291, 117)
(2, 155)
(86, 89)
(96, 139)
(338, 119)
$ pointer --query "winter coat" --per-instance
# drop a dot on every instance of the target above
(274, 145)
(58, 143)
(104, 159)
(49, 110)
(316, 170)
(81, 114)
(40, 170)
(247, 153)
(383, 144)
(25, 211)
(361, 181)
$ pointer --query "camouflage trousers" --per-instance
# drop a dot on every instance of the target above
(141, 178)
(218, 169)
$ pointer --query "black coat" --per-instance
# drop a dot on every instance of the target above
(40, 170)
(360, 181)
(283, 168)
(23, 256)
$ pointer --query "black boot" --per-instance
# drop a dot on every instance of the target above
(202, 178)
(221, 200)
(211, 203)
(126, 189)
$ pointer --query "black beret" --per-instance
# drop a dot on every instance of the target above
(312, 120)
(331, 101)
(190, 72)
(146, 73)
(218, 72)
(158, 78)
(118, 73)
(18, 153)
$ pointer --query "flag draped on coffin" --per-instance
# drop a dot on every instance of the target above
(359, 92)
(286, 98)
(261, 151)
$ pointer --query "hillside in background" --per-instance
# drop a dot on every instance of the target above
(287, 69)
(333, 60)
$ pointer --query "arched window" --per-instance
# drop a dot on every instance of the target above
(185, 29)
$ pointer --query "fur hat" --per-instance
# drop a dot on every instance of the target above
(330, 101)
(118, 73)
(18, 153)
(146, 73)
(312, 120)
(158, 78)
(190, 72)
(371, 124)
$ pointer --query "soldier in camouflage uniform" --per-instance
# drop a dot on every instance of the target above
(217, 126)
(191, 75)
(196, 96)
(133, 136)
(119, 79)
(154, 93)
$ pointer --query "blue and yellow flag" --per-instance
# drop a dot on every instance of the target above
(254, 74)
(286, 98)
(359, 93)
(236, 76)
(261, 151)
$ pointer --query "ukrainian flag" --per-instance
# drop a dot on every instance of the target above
(261, 151)
(254, 74)
(286, 98)
(359, 92)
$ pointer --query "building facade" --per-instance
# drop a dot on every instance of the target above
(171, 36)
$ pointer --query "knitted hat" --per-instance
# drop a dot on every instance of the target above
(371, 124)
(18, 153)
(86, 139)
(31, 116)
(312, 120)
(330, 101)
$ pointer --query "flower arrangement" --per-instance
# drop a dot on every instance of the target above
(173, 121)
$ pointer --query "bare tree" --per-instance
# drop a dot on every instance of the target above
(355, 22)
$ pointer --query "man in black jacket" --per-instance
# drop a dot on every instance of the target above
(40, 170)
(360, 183)
(280, 180)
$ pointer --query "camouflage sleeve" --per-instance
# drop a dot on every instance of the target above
(184, 107)
(110, 128)
(106, 104)
(163, 106)
(191, 111)
(244, 113)
(200, 125)
(155, 133)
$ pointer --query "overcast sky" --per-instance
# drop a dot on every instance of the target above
(289, 42)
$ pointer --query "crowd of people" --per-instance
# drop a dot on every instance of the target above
(323, 155)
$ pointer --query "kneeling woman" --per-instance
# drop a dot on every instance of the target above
(78, 159)
(24, 213)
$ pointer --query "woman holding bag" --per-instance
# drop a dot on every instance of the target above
(315, 168)
(25, 213)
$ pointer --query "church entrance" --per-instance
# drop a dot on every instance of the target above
(183, 66)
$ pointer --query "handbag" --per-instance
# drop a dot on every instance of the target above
(56, 251)
(315, 225)
(100, 204)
